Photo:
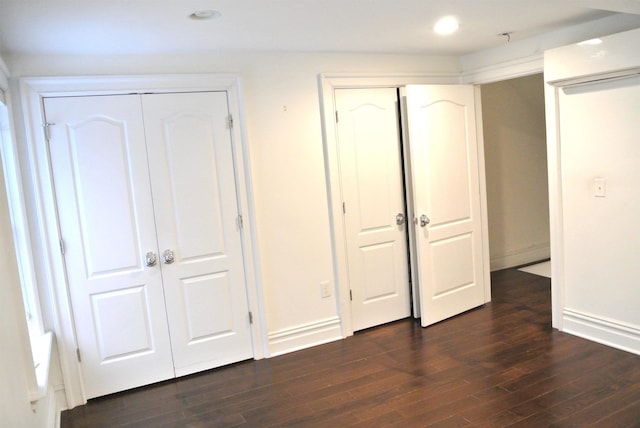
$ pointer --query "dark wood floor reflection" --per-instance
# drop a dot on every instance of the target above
(499, 365)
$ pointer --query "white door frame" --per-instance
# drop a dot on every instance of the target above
(519, 68)
(44, 222)
(327, 83)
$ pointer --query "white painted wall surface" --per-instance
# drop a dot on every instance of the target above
(516, 168)
(527, 47)
(596, 239)
(600, 124)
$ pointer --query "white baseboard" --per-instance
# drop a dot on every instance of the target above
(304, 336)
(607, 332)
(47, 409)
(519, 258)
(59, 404)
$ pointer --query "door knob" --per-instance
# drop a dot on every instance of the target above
(151, 259)
(400, 219)
(168, 257)
(424, 220)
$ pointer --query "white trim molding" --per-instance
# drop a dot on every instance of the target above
(602, 330)
(43, 218)
(504, 71)
(304, 336)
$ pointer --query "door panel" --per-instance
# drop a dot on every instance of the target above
(102, 190)
(200, 294)
(193, 180)
(102, 235)
(373, 192)
(448, 195)
(446, 189)
(118, 311)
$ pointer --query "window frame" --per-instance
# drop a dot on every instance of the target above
(19, 224)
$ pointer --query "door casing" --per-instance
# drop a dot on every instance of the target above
(37, 170)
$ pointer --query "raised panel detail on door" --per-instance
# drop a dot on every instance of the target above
(373, 192)
(110, 242)
(102, 190)
(201, 294)
(118, 311)
(448, 196)
(446, 185)
(193, 180)
(453, 267)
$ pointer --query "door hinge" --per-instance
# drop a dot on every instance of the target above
(78, 355)
(240, 222)
(61, 246)
(351, 295)
(47, 130)
(337, 120)
(230, 121)
(344, 208)
(250, 317)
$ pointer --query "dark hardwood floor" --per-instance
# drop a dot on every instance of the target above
(499, 365)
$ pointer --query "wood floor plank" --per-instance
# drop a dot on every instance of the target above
(629, 416)
(606, 412)
(495, 366)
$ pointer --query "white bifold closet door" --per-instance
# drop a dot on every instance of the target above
(146, 195)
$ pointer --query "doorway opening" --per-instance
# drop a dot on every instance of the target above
(513, 115)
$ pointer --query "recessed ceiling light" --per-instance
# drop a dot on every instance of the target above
(446, 25)
(205, 14)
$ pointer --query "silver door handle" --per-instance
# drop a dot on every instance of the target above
(151, 259)
(400, 219)
(168, 257)
(424, 220)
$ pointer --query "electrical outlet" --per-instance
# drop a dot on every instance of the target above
(325, 289)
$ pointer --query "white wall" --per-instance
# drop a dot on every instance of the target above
(516, 168)
(596, 237)
(15, 358)
(285, 143)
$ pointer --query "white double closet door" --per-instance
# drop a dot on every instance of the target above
(412, 209)
(148, 214)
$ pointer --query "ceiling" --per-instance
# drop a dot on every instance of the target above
(132, 27)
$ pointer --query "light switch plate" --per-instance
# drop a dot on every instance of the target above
(325, 289)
